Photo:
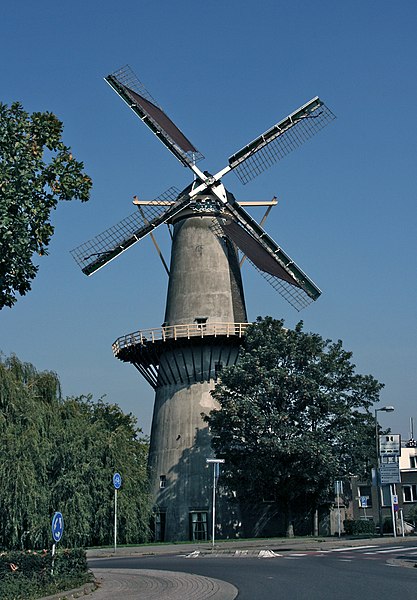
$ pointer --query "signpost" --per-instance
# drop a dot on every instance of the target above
(363, 503)
(389, 473)
(117, 482)
(215, 462)
(394, 509)
(338, 488)
(57, 527)
(57, 531)
(390, 445)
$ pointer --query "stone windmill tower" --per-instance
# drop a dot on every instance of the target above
(205, 317)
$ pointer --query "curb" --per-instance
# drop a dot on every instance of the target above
(84, 590)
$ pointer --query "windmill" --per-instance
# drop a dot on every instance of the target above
(205, 317)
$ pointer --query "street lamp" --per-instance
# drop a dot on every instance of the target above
(378, 489)
(215, 462)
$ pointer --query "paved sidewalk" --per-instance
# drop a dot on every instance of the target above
(146, 584)
(132, 584)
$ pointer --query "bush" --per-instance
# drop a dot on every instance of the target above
(359, 527)
(25, 575)
(387, 525)
(411, 515)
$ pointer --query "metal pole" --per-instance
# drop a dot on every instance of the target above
(53, 558)
(402, 522)
(215, 462)
(115, 520)
(214, 505)
(378, 491)
(394, 524)
(338, 509)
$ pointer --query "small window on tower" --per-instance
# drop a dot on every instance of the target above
(201, 320)
(162, 481)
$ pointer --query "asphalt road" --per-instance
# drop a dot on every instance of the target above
(370, 572)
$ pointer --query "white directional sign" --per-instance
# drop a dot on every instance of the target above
(390, 445)
(390, 473)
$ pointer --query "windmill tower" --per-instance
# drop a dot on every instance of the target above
(205, 317)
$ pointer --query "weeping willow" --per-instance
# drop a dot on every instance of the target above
(60, 455)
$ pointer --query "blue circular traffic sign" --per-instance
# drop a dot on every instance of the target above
(117, 481)
(57, 526)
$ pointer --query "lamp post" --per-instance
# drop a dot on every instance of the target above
(215, 462)
(378, 492)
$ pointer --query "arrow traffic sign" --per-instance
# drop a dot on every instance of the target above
(57, 526)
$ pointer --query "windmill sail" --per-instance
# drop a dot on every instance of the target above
(268, 258)
(133, 92)
(280, 140)
(99, 251)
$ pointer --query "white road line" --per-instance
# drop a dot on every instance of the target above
(347, 549)
(298, 554)
(385, 551)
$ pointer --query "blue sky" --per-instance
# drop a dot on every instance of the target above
(225, 72)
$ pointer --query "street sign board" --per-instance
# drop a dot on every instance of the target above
(363, 501)
(57, 526)
(390, 473)
(390, 445)
(117, 481)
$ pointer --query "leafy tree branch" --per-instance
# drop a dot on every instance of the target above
(37, 170)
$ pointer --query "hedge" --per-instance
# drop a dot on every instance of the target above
(359, 527)
(28, 574)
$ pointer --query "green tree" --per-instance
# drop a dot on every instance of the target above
(36, 171)
(294, 416)
(60, 455)
(95, 440)
(27, 400)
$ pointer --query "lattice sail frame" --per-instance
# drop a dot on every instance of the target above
(280, 140)
(103, 248)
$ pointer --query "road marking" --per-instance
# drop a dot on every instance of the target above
(268, 554)
(195, 554)
(385, 551)
(349, 548)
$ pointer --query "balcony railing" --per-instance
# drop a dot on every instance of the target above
(175, 332)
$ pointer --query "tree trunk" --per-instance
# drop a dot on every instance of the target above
(316, 522)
